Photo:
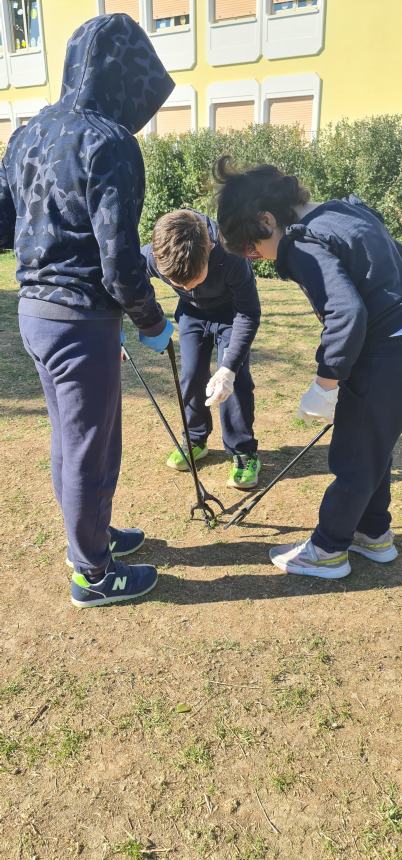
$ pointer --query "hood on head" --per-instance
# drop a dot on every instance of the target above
(112, 68)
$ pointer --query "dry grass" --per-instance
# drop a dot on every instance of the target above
(238, 714)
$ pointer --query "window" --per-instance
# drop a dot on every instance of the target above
(5, 130)
(130, 7)
(24, 25)
(173, 120)
(234, 9)
(167, 14)
(292, 111)
(235, 115)
(278, 6)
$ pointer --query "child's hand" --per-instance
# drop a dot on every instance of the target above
(220, 386)
(318, 403)
(123, 356)
(160, 341)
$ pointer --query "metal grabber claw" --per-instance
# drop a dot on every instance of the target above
(202, 494)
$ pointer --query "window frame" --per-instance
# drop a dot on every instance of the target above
(184, 95)
(2, 37)
(293, 87)
(167, 31)
(232, 92)
(230, 22)
(23, 52)
(26, 109)
(101, 6)
(289, 13)
(6, 114)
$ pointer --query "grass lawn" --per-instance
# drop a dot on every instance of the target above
(238, 713)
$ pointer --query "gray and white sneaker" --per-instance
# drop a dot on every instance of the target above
(310, 560)
(380, 549)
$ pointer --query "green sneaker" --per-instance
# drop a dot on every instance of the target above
(244, 471)
(176, 461)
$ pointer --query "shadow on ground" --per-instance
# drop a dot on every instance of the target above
(244, 586)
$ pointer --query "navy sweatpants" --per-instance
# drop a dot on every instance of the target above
(368, 422)
(79, 367)
(197, 340)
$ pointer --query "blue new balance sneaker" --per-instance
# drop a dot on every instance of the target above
(125, 541)
(121, 582)
(122, 542)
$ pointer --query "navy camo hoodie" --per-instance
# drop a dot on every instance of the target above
(72, 181)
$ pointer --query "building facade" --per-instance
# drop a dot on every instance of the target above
(310, 62)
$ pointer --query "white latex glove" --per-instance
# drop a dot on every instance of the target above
(318, 403)
(220, 386)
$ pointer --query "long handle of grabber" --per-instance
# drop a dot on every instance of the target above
(172, 356)
(242, 513)
(158, 409)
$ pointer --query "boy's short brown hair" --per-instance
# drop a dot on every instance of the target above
(181, 245)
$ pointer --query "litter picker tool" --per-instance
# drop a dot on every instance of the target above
(203, 497)
(240, 515)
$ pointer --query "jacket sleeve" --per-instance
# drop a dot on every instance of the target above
(113, 203)
(7, 212)
(241, 283)
(338, 304)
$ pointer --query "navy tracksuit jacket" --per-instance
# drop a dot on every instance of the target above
(351, 270)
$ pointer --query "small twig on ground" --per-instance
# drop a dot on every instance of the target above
(271, 823)
(208, 803)
(150, 849)
(221, 684)
(355, 696)
(238, 741)
(202, 704)
(39, 714)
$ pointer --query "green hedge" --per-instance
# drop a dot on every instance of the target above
(363, 156)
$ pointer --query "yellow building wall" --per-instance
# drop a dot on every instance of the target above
(61, 18)
(359, 66)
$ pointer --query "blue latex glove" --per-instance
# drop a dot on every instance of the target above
(160, 342)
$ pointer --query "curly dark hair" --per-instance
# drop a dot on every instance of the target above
(244, 196)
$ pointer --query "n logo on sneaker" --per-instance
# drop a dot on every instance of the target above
(119, 583)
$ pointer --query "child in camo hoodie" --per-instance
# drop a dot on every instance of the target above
(71, 193)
